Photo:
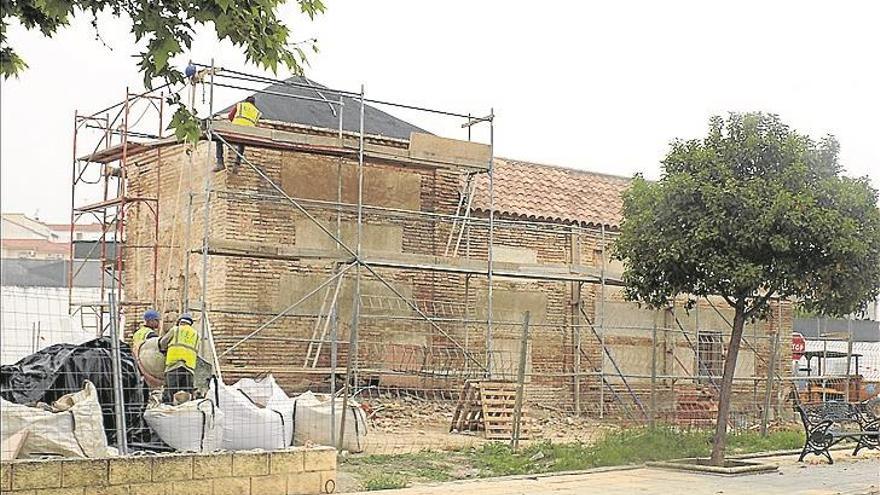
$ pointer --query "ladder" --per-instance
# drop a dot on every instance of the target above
(316, 343)
(462, 215)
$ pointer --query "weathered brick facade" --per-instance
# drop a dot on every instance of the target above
(265, 254)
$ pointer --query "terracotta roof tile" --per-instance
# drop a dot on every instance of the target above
(38, 245)
(552, 193)
(80, 227)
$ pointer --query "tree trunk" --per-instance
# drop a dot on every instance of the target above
(719, 442)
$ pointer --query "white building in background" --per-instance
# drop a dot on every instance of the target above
(35, 293)
(20, 226)
(22, 237)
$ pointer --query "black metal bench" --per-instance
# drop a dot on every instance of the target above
(830, 423)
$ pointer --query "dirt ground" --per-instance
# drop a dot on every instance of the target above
(407, 425)
(410, 426)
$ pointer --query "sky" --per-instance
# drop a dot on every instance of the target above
(600, 86)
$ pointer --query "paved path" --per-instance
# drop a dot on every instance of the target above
(850, 476)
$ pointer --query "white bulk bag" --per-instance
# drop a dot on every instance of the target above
(312, 422)
(75, 429)
(259, 415)
(194, 426)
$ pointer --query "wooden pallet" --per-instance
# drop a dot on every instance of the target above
(468, 413)
(488, 406)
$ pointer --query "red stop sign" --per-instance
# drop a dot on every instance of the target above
(798, 346)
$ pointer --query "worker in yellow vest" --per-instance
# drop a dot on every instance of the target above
(181, 347)
(244, 114)
(145, 348)
(147, 330)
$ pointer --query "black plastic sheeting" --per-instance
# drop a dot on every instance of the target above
(63, 368)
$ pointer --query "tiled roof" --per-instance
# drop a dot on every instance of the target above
(38, 245)
(80, 227)
(546, 192)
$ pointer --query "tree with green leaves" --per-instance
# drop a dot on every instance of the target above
(167, 27)
(752, 212)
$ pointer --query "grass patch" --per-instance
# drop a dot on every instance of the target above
(385, 482)
(752, 441)
(382, 472)
(631, 446)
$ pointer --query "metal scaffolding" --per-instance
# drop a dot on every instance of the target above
(99, 190)
(587, 373)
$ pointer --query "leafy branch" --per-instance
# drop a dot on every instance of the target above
(167, 28)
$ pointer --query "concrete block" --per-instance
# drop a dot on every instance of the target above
(273, 484)
(328, 481)
(84, 472)
(374, 238)
(446, 150)
(232, 486)
(250, 464)
(314, 177)
(61, 491)
(510, 254)
(287, 461)
(5, 476)
(303, 483)
(128, 470)
(148, 489)
(192, 487)
(320, 459)
(107, 490)
(36, 474)
(172, 468)
(212, 466)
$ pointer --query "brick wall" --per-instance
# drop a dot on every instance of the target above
(401, 221)
(292, 471)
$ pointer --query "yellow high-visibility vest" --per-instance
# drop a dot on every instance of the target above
(246, 113)
(184, 346)
(140, 336)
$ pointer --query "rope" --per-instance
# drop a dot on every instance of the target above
(171, 249)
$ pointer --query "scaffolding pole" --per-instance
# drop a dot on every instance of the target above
(489, 255)
(203, 306)
(351, 369)
(601, 335)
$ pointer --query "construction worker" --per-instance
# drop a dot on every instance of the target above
(245, 114)
(145, 349)
(180, 345)
(147, 330)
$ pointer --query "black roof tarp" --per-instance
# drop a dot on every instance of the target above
(323, 113)
(62, 369)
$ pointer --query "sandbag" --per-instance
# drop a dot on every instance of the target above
(194, 426)
(62, 369)
(72, 428)
(152, 361)
(258, 414)
(311, 419)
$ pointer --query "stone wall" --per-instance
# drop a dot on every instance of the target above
(285, 472)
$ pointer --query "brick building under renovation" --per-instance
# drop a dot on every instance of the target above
(455, 245)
